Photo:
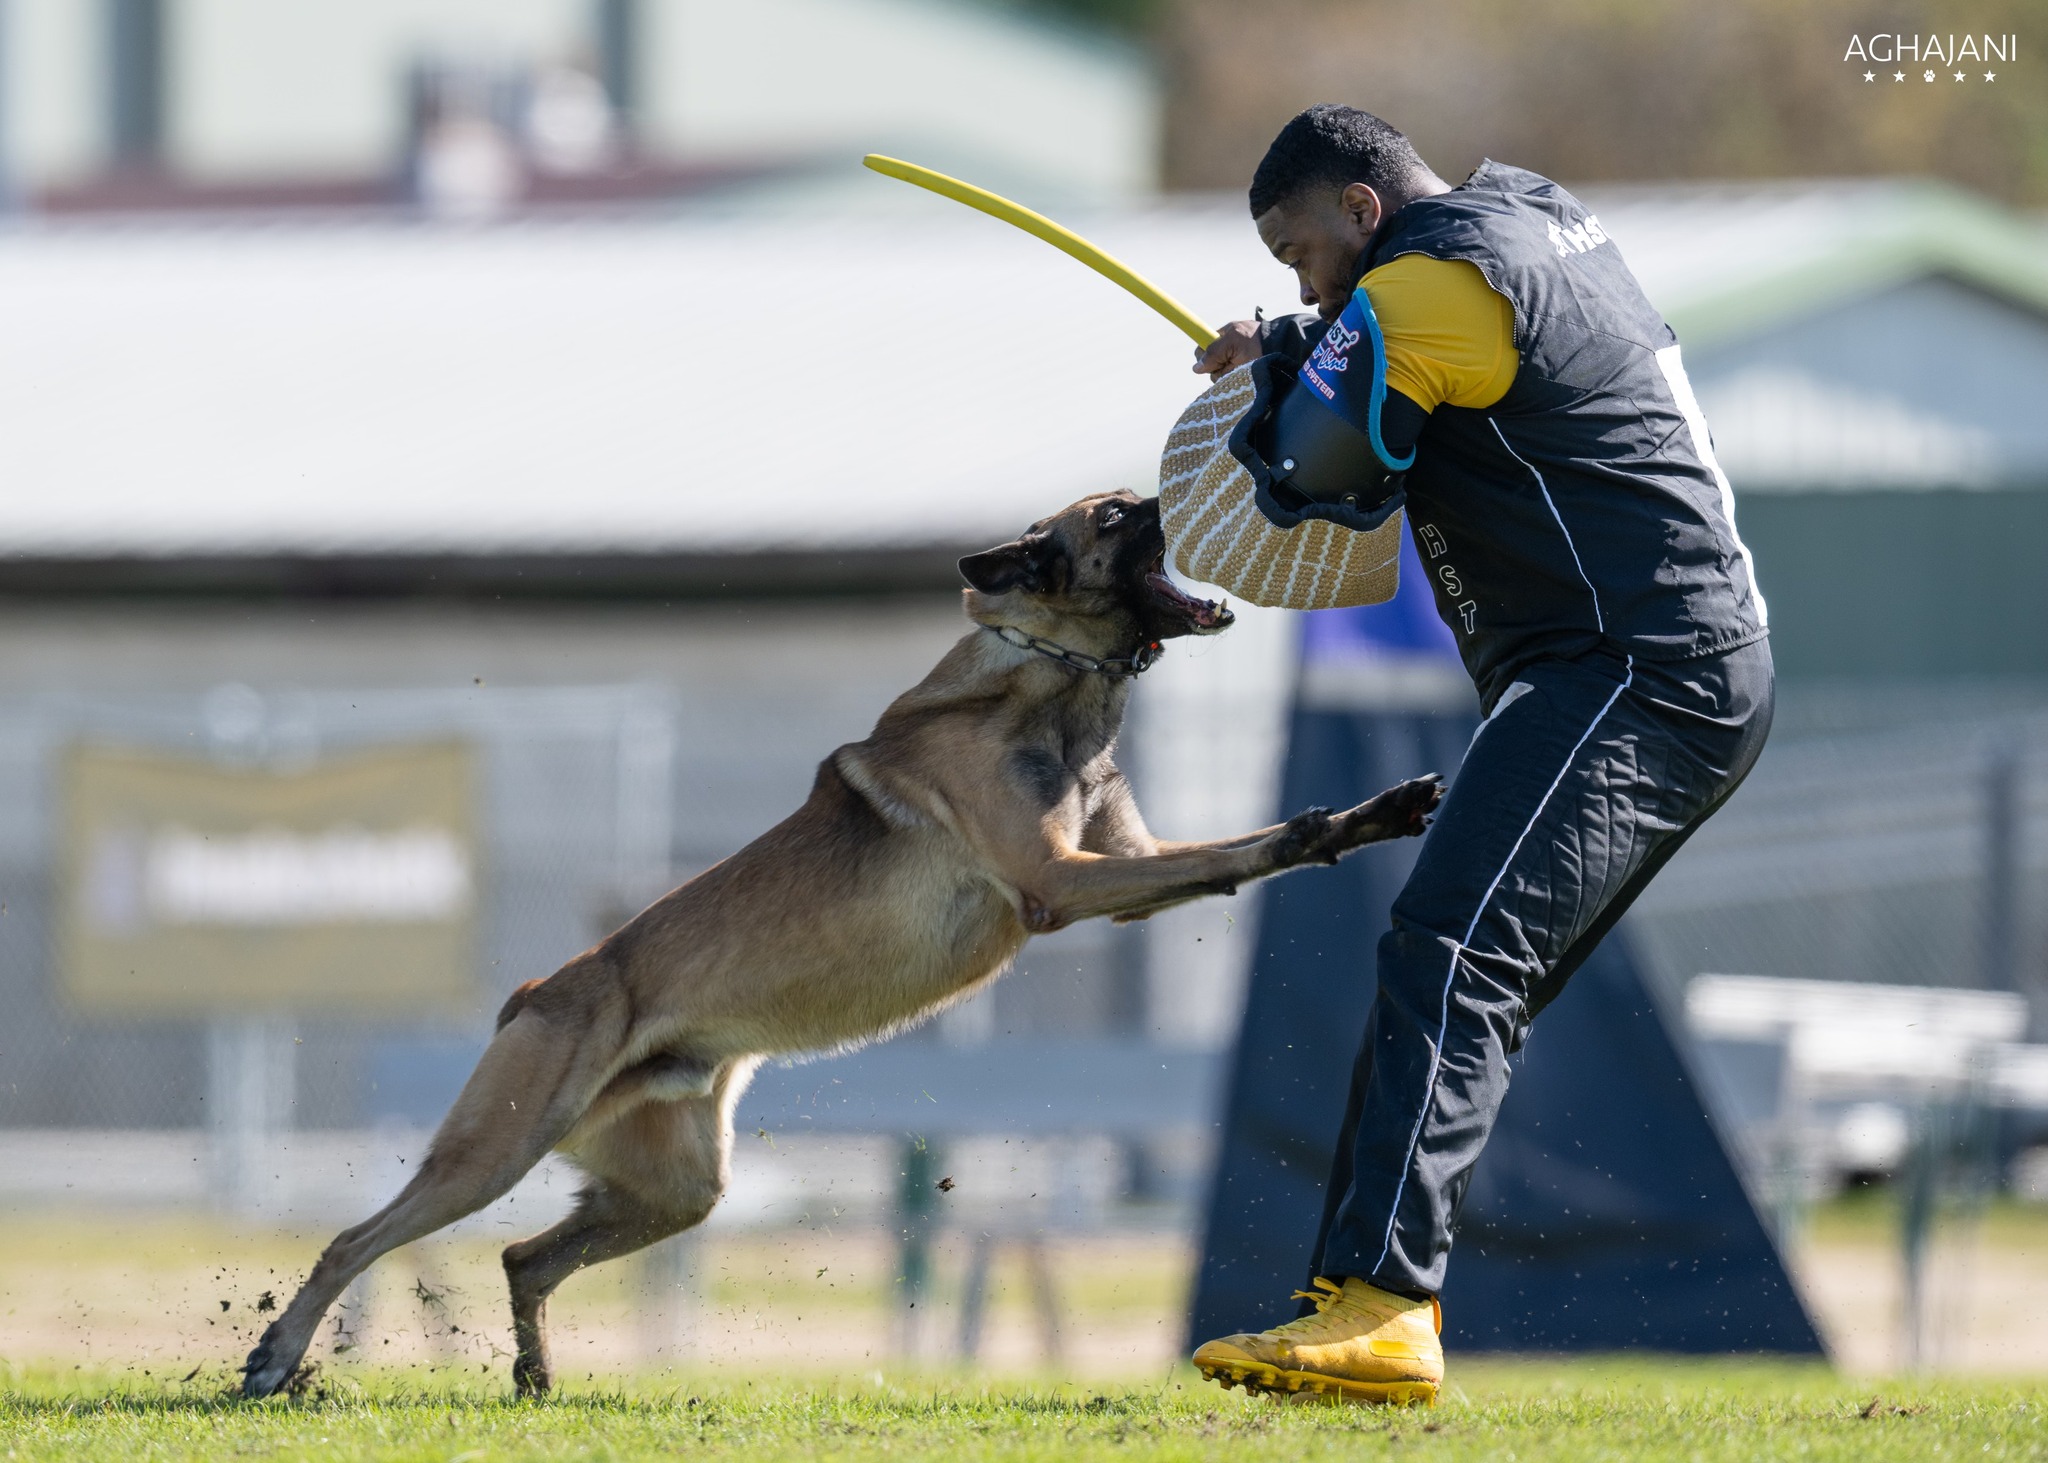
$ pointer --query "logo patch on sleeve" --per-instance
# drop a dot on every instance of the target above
(1332, 355)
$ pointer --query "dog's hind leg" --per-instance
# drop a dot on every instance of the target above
(655, 1170)
(523, 1098)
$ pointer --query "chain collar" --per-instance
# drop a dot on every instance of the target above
(1121, 668)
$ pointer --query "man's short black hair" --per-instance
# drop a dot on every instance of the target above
(1333, 146)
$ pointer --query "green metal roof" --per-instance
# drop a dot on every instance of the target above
(1724, 260)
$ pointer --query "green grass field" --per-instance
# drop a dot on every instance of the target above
(1622, 1409)
(119, 1332)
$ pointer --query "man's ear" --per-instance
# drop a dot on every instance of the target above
(1362, 206)
(1032, 563)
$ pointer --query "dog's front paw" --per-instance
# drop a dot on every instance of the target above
(1399, 812)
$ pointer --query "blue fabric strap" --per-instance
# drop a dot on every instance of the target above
(1328, 375)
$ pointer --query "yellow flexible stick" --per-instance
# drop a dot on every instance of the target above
(1039, 226)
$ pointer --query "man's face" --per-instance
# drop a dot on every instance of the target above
(1319, 235)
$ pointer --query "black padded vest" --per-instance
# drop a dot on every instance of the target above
(1584, 510)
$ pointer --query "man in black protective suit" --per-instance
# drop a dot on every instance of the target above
(1482, 357)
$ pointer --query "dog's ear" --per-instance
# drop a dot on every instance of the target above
(1034, 563)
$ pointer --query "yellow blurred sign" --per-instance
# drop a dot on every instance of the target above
(348, 887)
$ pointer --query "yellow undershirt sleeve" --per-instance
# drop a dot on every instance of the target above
(1450, 337)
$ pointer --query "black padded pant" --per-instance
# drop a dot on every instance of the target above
(1579, 787)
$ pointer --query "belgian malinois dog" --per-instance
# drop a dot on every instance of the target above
(986, 807)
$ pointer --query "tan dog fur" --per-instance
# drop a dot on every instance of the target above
(985, 807)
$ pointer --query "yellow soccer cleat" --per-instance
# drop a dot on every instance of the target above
(1363, 1344)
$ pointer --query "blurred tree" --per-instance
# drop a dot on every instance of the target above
(1589, 90)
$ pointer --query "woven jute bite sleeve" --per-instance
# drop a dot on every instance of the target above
(1218, 534)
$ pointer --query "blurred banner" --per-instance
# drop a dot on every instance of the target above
(191, 888)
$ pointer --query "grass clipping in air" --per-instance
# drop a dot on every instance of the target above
(1578, 1410)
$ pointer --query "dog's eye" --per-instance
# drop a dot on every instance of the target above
(1112, 516)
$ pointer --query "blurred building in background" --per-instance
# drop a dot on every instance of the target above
(469, 109)
(583, 497)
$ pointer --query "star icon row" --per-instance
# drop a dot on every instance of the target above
(1927, 76)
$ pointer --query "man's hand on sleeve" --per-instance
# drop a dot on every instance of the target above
(1236, 344)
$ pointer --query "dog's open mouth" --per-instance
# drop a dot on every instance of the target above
(1205, 616)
